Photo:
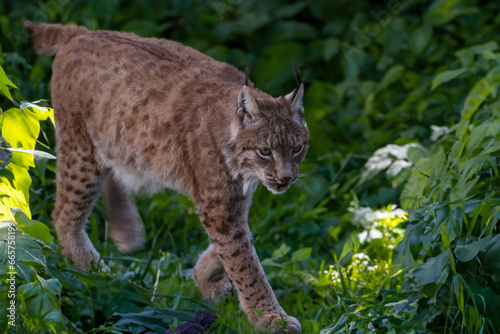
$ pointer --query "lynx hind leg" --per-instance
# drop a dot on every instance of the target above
(125, 225)
(79, 183)
(210, 276)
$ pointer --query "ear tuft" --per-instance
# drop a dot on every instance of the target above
(297, 75)
(247, 76)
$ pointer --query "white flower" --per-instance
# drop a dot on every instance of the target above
(361, 256)
(370, 234)
(377, 162)
(397, 151)
(400, 213)
(393, 157)
(361, 216)
(397, 167)
(438, 131)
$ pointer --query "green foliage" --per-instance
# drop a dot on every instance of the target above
(19, 131)
(21, 247)
(453, 225)
(393, 226)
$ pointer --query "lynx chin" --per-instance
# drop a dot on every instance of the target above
(139, 115)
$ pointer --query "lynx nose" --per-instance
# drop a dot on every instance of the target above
(285, 175)
(284, 172)
(285, 179)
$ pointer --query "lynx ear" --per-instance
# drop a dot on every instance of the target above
(247, 112)
(247, 103)
(295, 101)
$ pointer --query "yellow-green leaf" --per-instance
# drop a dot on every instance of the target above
(4, 83)
(19, 130)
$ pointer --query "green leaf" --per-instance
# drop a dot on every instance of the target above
(28, 250)
(420, 38)
(282, 251)
(391, 76)
(267, 262)
(70, 281)
(445, 238)
(42, 308)
(331, 48)
(489, 46)
(17, 190)
(38, 112)
(301, 254)
(19, 130)
(484, 87)
(417, 181)
(22, 160)
(32, 227)
(4, 83)
(431, 270)
(28, 254)
(446, 76)
(51, 285)
(491, 259)
(53, 317)
(153, 318)
(467, 252)
(466, 55)
(487, 300)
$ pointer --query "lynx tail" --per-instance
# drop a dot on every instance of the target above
(49, 38)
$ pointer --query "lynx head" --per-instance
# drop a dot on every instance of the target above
(269, 139)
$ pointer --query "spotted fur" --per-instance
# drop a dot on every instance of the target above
(143, 114)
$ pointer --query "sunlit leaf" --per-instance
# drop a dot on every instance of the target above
(38, 112)
(5, 83)
(19, 130)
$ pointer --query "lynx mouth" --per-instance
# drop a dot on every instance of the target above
(277, 188)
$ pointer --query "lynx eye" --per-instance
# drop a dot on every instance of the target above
(264, 152)
(297, 149)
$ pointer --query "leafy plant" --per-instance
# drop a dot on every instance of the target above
(21, 248)
(452, 238)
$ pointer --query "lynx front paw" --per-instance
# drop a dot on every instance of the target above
(82, 253)
(89, 262)
(279, 323)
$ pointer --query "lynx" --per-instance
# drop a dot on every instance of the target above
(140, 115)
